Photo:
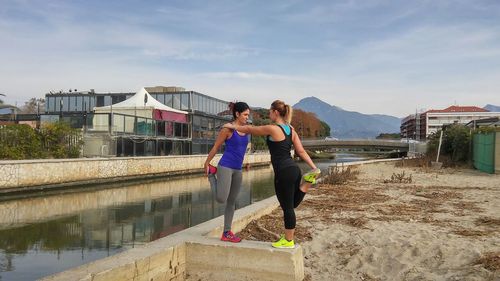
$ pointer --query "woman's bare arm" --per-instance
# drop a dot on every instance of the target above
(299, 150)
(223, 135)
(264, 130)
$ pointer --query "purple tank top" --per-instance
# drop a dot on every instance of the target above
(234, 152)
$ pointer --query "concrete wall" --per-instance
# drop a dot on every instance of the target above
(497, 153)
(32, 173)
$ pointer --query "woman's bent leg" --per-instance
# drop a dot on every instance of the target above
(298, 196)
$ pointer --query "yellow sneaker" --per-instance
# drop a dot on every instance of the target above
(312, 175)
(283, 243)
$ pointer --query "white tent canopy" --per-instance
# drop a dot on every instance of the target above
(137, 102)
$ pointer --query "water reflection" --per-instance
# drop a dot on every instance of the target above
(41, 236)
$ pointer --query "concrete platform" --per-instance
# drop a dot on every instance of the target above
(212, 259)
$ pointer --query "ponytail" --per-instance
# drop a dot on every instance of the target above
(284, 110)
(288, 115)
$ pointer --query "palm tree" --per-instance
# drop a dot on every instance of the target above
(1, 101)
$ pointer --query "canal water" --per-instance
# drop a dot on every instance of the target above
(40, 236)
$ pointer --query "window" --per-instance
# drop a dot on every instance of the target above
(194, 101)
(117, 99)
(65, 104)
(107, 100)
(176, 101)
(79, 103)
(168, 100)
(212, 106)
(196, 148)
(50, 105)
(92, 103)
(184, 101)
(71, 103)
(161, 98)
(199, 100)
(100, 101)
(178, 129)
(86, 103)
(204, 104)
(169, 129)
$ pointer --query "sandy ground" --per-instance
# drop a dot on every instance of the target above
(443, 225)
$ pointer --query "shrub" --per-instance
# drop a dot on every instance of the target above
(340, 175)
(399, 178)
(55, 140)
(61, 141)
(456, 143)
(20, 142)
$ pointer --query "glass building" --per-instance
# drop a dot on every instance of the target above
(206, 116)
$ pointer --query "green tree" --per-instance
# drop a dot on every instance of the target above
(325, 130)
(455, 145)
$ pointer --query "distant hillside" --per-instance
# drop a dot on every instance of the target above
(350, 124)
(492, 108)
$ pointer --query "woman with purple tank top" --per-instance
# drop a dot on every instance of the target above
(225, 180)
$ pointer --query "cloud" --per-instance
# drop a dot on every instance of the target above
(369, 56)
(249, 76)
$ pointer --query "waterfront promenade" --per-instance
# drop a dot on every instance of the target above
(33, 175)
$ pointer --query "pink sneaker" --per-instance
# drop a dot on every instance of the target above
(211, 170)
(230, 237)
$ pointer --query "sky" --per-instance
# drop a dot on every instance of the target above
(370, 56)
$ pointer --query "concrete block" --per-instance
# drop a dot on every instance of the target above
(142, 266)
(248, 260)
(164, 259)
(119, 273)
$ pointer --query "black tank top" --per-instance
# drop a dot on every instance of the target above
(280, 151)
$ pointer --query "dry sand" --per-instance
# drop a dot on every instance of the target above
(444, 225)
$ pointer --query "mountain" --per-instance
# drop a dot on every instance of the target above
(492, 108)
(350, 124)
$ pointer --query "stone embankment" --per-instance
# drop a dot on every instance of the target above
(30, 175)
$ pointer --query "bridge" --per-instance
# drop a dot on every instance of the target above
(363, 143)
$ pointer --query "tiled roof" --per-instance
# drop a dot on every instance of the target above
(455, 108)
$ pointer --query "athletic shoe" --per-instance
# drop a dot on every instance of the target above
(230, 237)
(312, 175)
(283, 243)
(211, 170)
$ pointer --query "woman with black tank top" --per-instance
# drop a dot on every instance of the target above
(287, 175)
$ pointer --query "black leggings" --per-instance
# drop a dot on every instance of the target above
(287, 188)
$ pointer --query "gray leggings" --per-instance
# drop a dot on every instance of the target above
(226, 187)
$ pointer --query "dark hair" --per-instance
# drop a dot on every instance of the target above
(238, 107)
(284, 110)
